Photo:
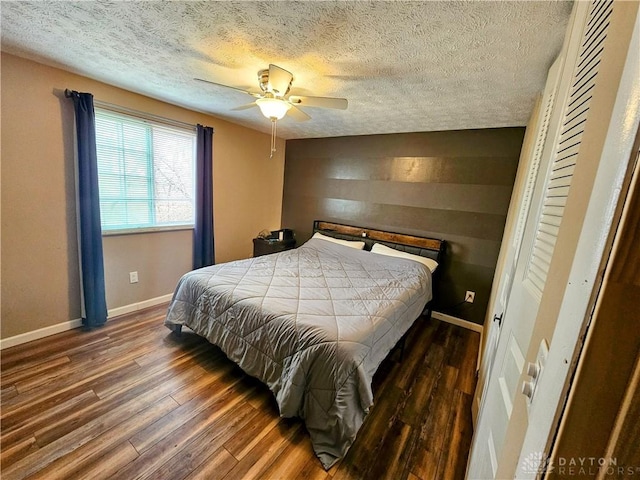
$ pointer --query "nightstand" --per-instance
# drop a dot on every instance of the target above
(265, 246)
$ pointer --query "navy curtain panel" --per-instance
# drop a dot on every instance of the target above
(203, 248)
(94, 301)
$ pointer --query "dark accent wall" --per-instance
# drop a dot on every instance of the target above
(453, 185)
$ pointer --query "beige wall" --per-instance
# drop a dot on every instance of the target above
(40, 281)
(159, 258)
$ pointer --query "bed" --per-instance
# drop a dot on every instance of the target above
(314, 323)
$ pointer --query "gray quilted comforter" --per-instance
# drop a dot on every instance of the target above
(312, 323)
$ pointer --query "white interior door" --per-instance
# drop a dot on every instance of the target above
(541, 221)
(524, 197)
(518, 305)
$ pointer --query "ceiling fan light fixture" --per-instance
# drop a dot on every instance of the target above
(275, 83)
(273, 108)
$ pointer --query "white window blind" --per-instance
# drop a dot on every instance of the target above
(566, 156)
(145, 172)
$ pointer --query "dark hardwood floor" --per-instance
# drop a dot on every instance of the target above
(132, 400)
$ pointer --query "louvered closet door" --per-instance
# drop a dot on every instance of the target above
(568, 144)
(504, 409)
(533, 165)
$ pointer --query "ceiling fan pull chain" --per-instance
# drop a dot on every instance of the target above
(273, 136)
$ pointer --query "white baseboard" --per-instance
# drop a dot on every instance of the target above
(457, 321)
(40, 333)
(71, 324)
(134, 307)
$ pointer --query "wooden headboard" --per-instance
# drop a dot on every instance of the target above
(423, 246)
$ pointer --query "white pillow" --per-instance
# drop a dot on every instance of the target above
(347, 243)
(392, 252)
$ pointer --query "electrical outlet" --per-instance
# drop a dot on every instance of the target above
(133, 277)
(470, 296)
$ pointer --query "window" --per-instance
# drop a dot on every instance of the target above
(145, 173)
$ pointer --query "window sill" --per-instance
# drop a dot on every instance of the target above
(134, 231)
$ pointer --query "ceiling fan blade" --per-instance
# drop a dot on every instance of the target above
(298, 114)
(245, 107)
(280, 80)
(253, 94)
(320, 102)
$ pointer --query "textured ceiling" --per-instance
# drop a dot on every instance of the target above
(403, 66)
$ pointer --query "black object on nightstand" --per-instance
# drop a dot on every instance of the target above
(278, 241)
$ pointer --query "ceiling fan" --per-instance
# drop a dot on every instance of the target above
(275, 102)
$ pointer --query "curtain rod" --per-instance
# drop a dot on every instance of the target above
(137, 113)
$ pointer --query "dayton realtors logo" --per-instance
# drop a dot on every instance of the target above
(538, 463)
